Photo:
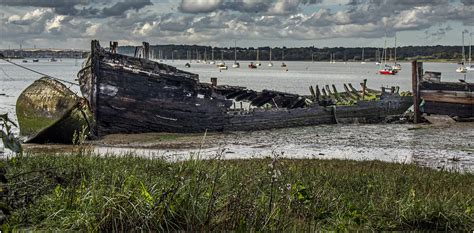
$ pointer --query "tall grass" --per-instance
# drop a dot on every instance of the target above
(87, 192)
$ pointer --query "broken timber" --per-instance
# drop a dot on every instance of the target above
(442, 98)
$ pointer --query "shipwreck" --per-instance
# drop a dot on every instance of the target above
(129, 94)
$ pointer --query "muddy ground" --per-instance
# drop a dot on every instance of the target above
(438, 146)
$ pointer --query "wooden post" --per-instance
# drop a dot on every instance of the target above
(214, 81)
(415, 89)
(311, 90)
(318, 93)
(146, 50)
(363, 88)
(113, 46)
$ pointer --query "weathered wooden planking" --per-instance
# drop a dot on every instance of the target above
(450, 109)
(459, 97)
(447, 86)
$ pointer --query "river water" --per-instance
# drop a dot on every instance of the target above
(449, 147)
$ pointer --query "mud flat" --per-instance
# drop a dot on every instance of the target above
(443, 147)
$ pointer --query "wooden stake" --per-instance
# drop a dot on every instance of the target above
(415, 88)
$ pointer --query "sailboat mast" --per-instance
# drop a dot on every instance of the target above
(395, 48)
(213, 53)
(258, 57)
(270, 55)
(235, 51)
(470, 45)
(362, 54)
(463, 55)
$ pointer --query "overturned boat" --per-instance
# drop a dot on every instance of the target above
(48, 111)
(133, 95)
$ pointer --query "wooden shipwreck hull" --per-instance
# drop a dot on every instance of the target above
(48, 111)
(131, 95)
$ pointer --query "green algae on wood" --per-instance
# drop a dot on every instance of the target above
(48, 111)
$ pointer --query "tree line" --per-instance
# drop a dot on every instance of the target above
(197, 52)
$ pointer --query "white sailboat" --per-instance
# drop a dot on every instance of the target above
(462, 68)
(283, 58)
(362, 59)
(270, 64)
(212, 62)
(221, 64)
(236, 64)
(397, 67)
(470, 67)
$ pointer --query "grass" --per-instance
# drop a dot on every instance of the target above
(87, 192)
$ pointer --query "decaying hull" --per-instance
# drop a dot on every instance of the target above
(48, 111)
(131, 95)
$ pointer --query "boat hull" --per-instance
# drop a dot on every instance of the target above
(135, 95)
(48, 112)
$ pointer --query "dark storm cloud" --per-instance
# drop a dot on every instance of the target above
(120, 7)
(247, 6)
(82, 8)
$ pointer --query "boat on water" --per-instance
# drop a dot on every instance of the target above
(362, 57)
(187, 65)
(222, 66)
(387, 69)
(25, 61)
(35, 60)
(133, 95)
(270, 64)
(283, 64)
(252, 66)
(236, 64)
(470, 66)
(462, 68)
(48, 112)
(53, 59)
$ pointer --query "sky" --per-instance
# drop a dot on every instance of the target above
(251, 23)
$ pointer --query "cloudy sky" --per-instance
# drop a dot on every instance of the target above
(322, 23)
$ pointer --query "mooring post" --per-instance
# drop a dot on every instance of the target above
(318, 93)
(363, 88)
(146, 50)
(214, 81)
(415, 89)
(113, 46)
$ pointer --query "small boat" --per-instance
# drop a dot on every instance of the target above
(282, 59)
(236, 64)
(397, 67)
(461, 69)
(187, 65)
(121, 89)
(470, 68)
(35, 60)
(222, 66)
(362, 57)
(53, 59)
(48, 112)
(252, 66)
(270, 64)
(212, 62)
(25, 61)
(387, 70)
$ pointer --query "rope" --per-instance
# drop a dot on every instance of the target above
(34, 71)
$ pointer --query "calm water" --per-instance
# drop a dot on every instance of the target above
(450, 147)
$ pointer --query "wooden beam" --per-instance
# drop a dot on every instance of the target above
(415, 89)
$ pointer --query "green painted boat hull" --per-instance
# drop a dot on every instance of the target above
(49, 112)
